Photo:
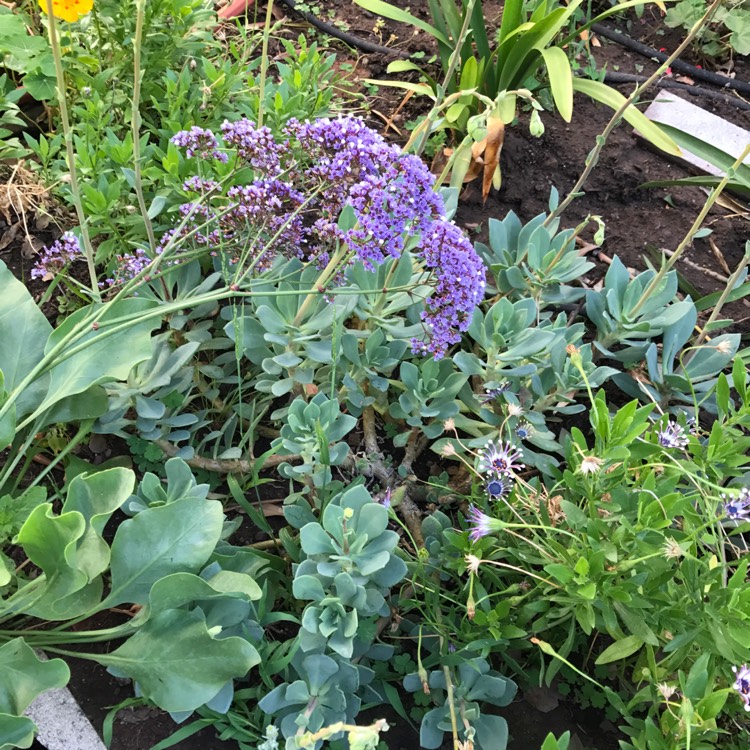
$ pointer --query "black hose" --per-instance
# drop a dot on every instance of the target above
(666, 83)
(352, 41)
(643, 49)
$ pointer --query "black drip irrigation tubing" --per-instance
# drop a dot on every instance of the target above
(352, 41)
(610, 77)
(665, 83)
(679, 65)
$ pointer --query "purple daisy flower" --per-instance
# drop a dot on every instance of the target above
(481, 524)
(499, 459)
(524, 430)
(737, 508)
(493, 393)
(672, 436)
(498, 486)
(742, 684)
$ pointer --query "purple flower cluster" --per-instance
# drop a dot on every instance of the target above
(196, 184)
(129, 265)
(53, 259)
(302, 186)
(459, 277)
(199, 142)
(254, 145)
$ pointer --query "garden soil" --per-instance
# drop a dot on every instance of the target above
(636, 220)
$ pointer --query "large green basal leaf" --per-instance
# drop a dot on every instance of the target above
(50, 542)
(22, 677)
(173, 538)
(96, 497)
(176, 661)
(99, 356)
(23, 333)
(16, 731)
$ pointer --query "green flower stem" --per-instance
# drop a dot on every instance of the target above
(140, 12)
(83, 430)
(263, 61)
(593, 157)
(731, 283)
(320, 284)
(52, 358)
(68, 133)
(688, 238)
(47, 638)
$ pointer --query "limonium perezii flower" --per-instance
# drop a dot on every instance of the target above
(499, 459)
(481, 524)
(199, 142)
(737, 508)
(68, 10)
(672, 436)
(54, 258)
(329, 165)
(742, 684)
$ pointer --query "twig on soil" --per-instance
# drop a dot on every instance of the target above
(414, 447)
(226, 465)
(368, 429)
(695, 266)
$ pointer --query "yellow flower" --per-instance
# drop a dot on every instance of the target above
(69, 10)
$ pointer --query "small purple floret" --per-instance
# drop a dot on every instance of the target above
(54, 258)
(480, 523)
(199, 142)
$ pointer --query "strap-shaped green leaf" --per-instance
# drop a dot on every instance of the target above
(560, 80)
(614, 99)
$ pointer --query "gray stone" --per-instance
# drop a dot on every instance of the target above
(62, 724)
(670, 109)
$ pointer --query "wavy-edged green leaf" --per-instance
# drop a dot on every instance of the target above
(96, 497)
(176, 661)
(159, 541)
(23, 676)
(614, 99)
(101, 354)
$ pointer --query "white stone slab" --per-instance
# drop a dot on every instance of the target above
(669, 109)
(62, 724)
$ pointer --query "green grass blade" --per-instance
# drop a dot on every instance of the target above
(739, 188)
(397, 14)
(720, 159)
(512, 18)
